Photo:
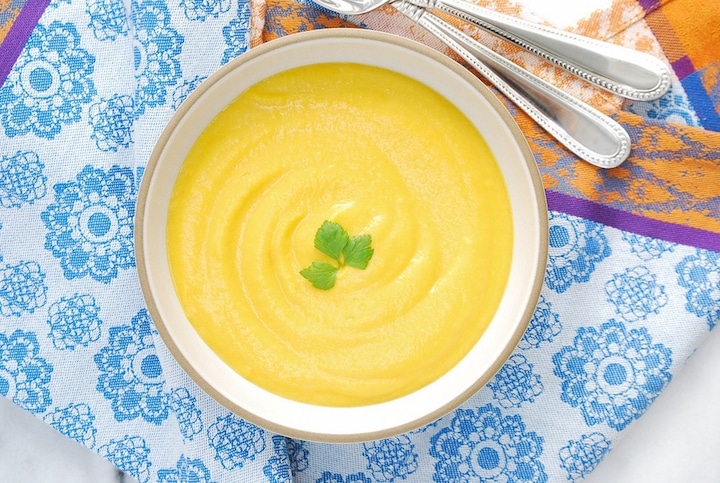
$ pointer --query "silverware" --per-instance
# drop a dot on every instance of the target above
(622, 71)
(585, 131)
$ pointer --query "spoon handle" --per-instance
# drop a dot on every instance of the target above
(623, 71)
(585, 131)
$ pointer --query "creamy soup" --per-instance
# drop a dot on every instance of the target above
(379, 154)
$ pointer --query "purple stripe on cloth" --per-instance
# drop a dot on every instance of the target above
(18, 35)
(649, 5)
(625, 221)
(683, 67)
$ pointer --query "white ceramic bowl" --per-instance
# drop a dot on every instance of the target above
(343, 424)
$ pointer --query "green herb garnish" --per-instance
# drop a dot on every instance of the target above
(334, 241)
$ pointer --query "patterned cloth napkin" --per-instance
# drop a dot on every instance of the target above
(632, 284)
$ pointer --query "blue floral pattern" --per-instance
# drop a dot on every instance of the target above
(74, 322)
(647, 248)
(297, 454)
(184, 89)
(277, 469)
(187, 471)
(49, 83)
(543, 327)
(75, 422)
(516, 383)
(487, 446)
(112, 121)
(700, 275)
(391, 458)
(24, 375)
(636, 294)
(673, 107)
(202, 9)
(91, 223)
(108, 19)
(22, 289)
(235, 441)
(579, 458)
(237, 33)
(157, 54)
(22, 179)
(131, 376)
(330, 477)
(187, 413)
(130, 454)
(612, 374)
(576, 246)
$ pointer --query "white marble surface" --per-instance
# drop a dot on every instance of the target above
(677, 440)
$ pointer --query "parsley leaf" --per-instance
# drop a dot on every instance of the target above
(357, 253)
(321, 274)
(332, 240)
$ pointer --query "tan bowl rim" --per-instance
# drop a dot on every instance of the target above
(359, 33)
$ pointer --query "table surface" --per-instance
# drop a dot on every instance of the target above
(676, 440)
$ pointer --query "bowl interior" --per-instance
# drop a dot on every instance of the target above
(528, 260)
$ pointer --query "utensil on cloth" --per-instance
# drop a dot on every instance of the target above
(585, 131)
(620, 70)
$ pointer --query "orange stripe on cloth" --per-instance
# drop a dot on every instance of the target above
(672, 174)
(284, 17)
(695, 27)
(9, 10)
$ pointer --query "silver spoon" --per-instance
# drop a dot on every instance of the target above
(622, 71)
(585, 131)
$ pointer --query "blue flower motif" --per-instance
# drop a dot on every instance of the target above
(24, 377)
(237, 33)
(487, 446)
(183, 90)
(328, 477)
(22, 289)
(277, 469)
(700, 275)
(21, 179)
(635, 294)
(235, 441)
(75, 422)
(74, 322)
(576, 245)
(157, 53)
(672, 107)
(391, 458)
(49, 83)
(186, 471)
(91, 223)
(298, 455)
(202, 9)
(647, 248)
(130, 454)
(131, 376)
(515, 383)
(544, 326)
(580, 458)
(612, 375)
(108, 19)
(112, 121)
(187, 413)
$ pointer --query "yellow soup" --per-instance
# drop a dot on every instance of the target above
(380, 154)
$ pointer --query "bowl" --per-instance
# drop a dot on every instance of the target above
(319, 422)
